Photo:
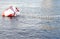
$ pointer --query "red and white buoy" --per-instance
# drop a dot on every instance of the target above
(11, 11)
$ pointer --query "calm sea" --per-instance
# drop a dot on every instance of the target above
(40, 22)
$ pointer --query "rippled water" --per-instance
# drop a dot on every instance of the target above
(33, 23)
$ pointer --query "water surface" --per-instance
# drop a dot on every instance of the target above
(33, 23)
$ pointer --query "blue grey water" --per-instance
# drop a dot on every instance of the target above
(38, 20)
